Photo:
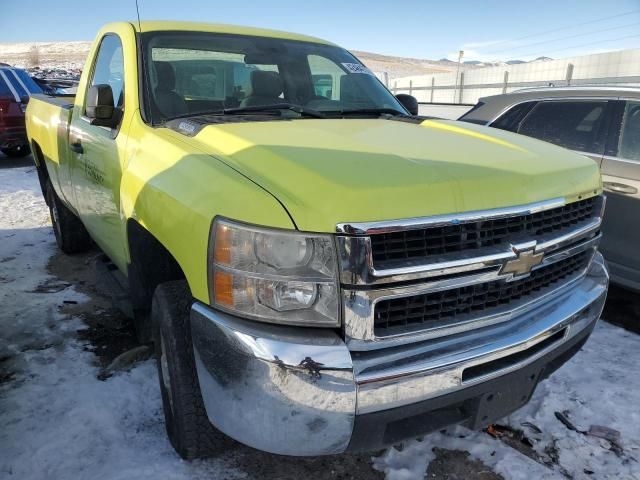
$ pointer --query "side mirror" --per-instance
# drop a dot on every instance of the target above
(409, 102)
(100, 108)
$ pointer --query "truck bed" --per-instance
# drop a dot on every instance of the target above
(47, 120)
(63, 101)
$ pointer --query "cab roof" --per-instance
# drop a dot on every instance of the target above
(160, 26)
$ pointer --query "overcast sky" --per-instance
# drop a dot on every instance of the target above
(486, 30)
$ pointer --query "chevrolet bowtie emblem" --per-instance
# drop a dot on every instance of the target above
(523, 263)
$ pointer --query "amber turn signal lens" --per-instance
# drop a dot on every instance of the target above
(222, 252)
(223, 288)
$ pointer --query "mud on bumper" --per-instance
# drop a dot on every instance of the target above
(298, 391)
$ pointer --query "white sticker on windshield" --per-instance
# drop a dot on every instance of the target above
(356, 68)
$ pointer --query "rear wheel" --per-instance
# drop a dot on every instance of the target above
(17, 151)
(71, 236)
(188, 427)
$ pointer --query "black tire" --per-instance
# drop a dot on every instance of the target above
(71, 236)
(188, 427)
(16, 152)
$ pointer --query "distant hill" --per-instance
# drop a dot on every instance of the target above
(71, 56)
(62, 55)
(403, 66)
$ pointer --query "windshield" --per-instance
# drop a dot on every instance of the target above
(192, 72)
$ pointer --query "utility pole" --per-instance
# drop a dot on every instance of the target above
(455, 87)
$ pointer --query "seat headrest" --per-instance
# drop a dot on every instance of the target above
(165, 75)
(266, 84)
(353, 88)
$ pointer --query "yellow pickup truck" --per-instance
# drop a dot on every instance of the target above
(319, 268)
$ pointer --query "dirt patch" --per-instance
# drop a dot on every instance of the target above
(109, 333)
(338, 467)
(456, 464)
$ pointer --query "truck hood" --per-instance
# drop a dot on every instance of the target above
(331, 171)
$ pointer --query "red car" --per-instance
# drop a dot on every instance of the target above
(15, 88)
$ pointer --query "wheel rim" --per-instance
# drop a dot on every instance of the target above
(164, 368)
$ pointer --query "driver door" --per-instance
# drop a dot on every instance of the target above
(96, 153)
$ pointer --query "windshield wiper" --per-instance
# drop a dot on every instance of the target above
(274, 109)
(366, 111)
(299, 109)
(194, 114)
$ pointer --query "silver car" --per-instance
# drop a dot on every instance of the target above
(602, 123)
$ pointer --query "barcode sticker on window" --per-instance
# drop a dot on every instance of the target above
(356, 68)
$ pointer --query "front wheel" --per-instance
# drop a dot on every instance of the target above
(188, 427)
(16, 152)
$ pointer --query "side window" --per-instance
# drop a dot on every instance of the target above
(629, 146)
(511, 119)
(572, 124)
(326, 76)
(109, 68)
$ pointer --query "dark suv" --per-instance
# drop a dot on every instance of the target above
(15, 88)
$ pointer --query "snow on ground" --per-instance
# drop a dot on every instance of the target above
(58, 421)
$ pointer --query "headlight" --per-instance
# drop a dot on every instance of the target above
(274, 276)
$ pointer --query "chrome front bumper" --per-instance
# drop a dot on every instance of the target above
(297, 391)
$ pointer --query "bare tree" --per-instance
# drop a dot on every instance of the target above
(34, 56)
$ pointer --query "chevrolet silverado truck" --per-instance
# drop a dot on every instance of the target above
(320, 269)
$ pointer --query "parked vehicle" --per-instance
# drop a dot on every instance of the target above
(321, 269)
(56, 86)
(15, 88)
(602, 123)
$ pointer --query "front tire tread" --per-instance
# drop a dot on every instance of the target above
(188, 426)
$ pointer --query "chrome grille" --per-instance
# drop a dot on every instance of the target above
(440, 308)
(440, 240)
(460, 282)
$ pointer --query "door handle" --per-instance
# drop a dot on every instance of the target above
(619, 188)
(76, 146)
